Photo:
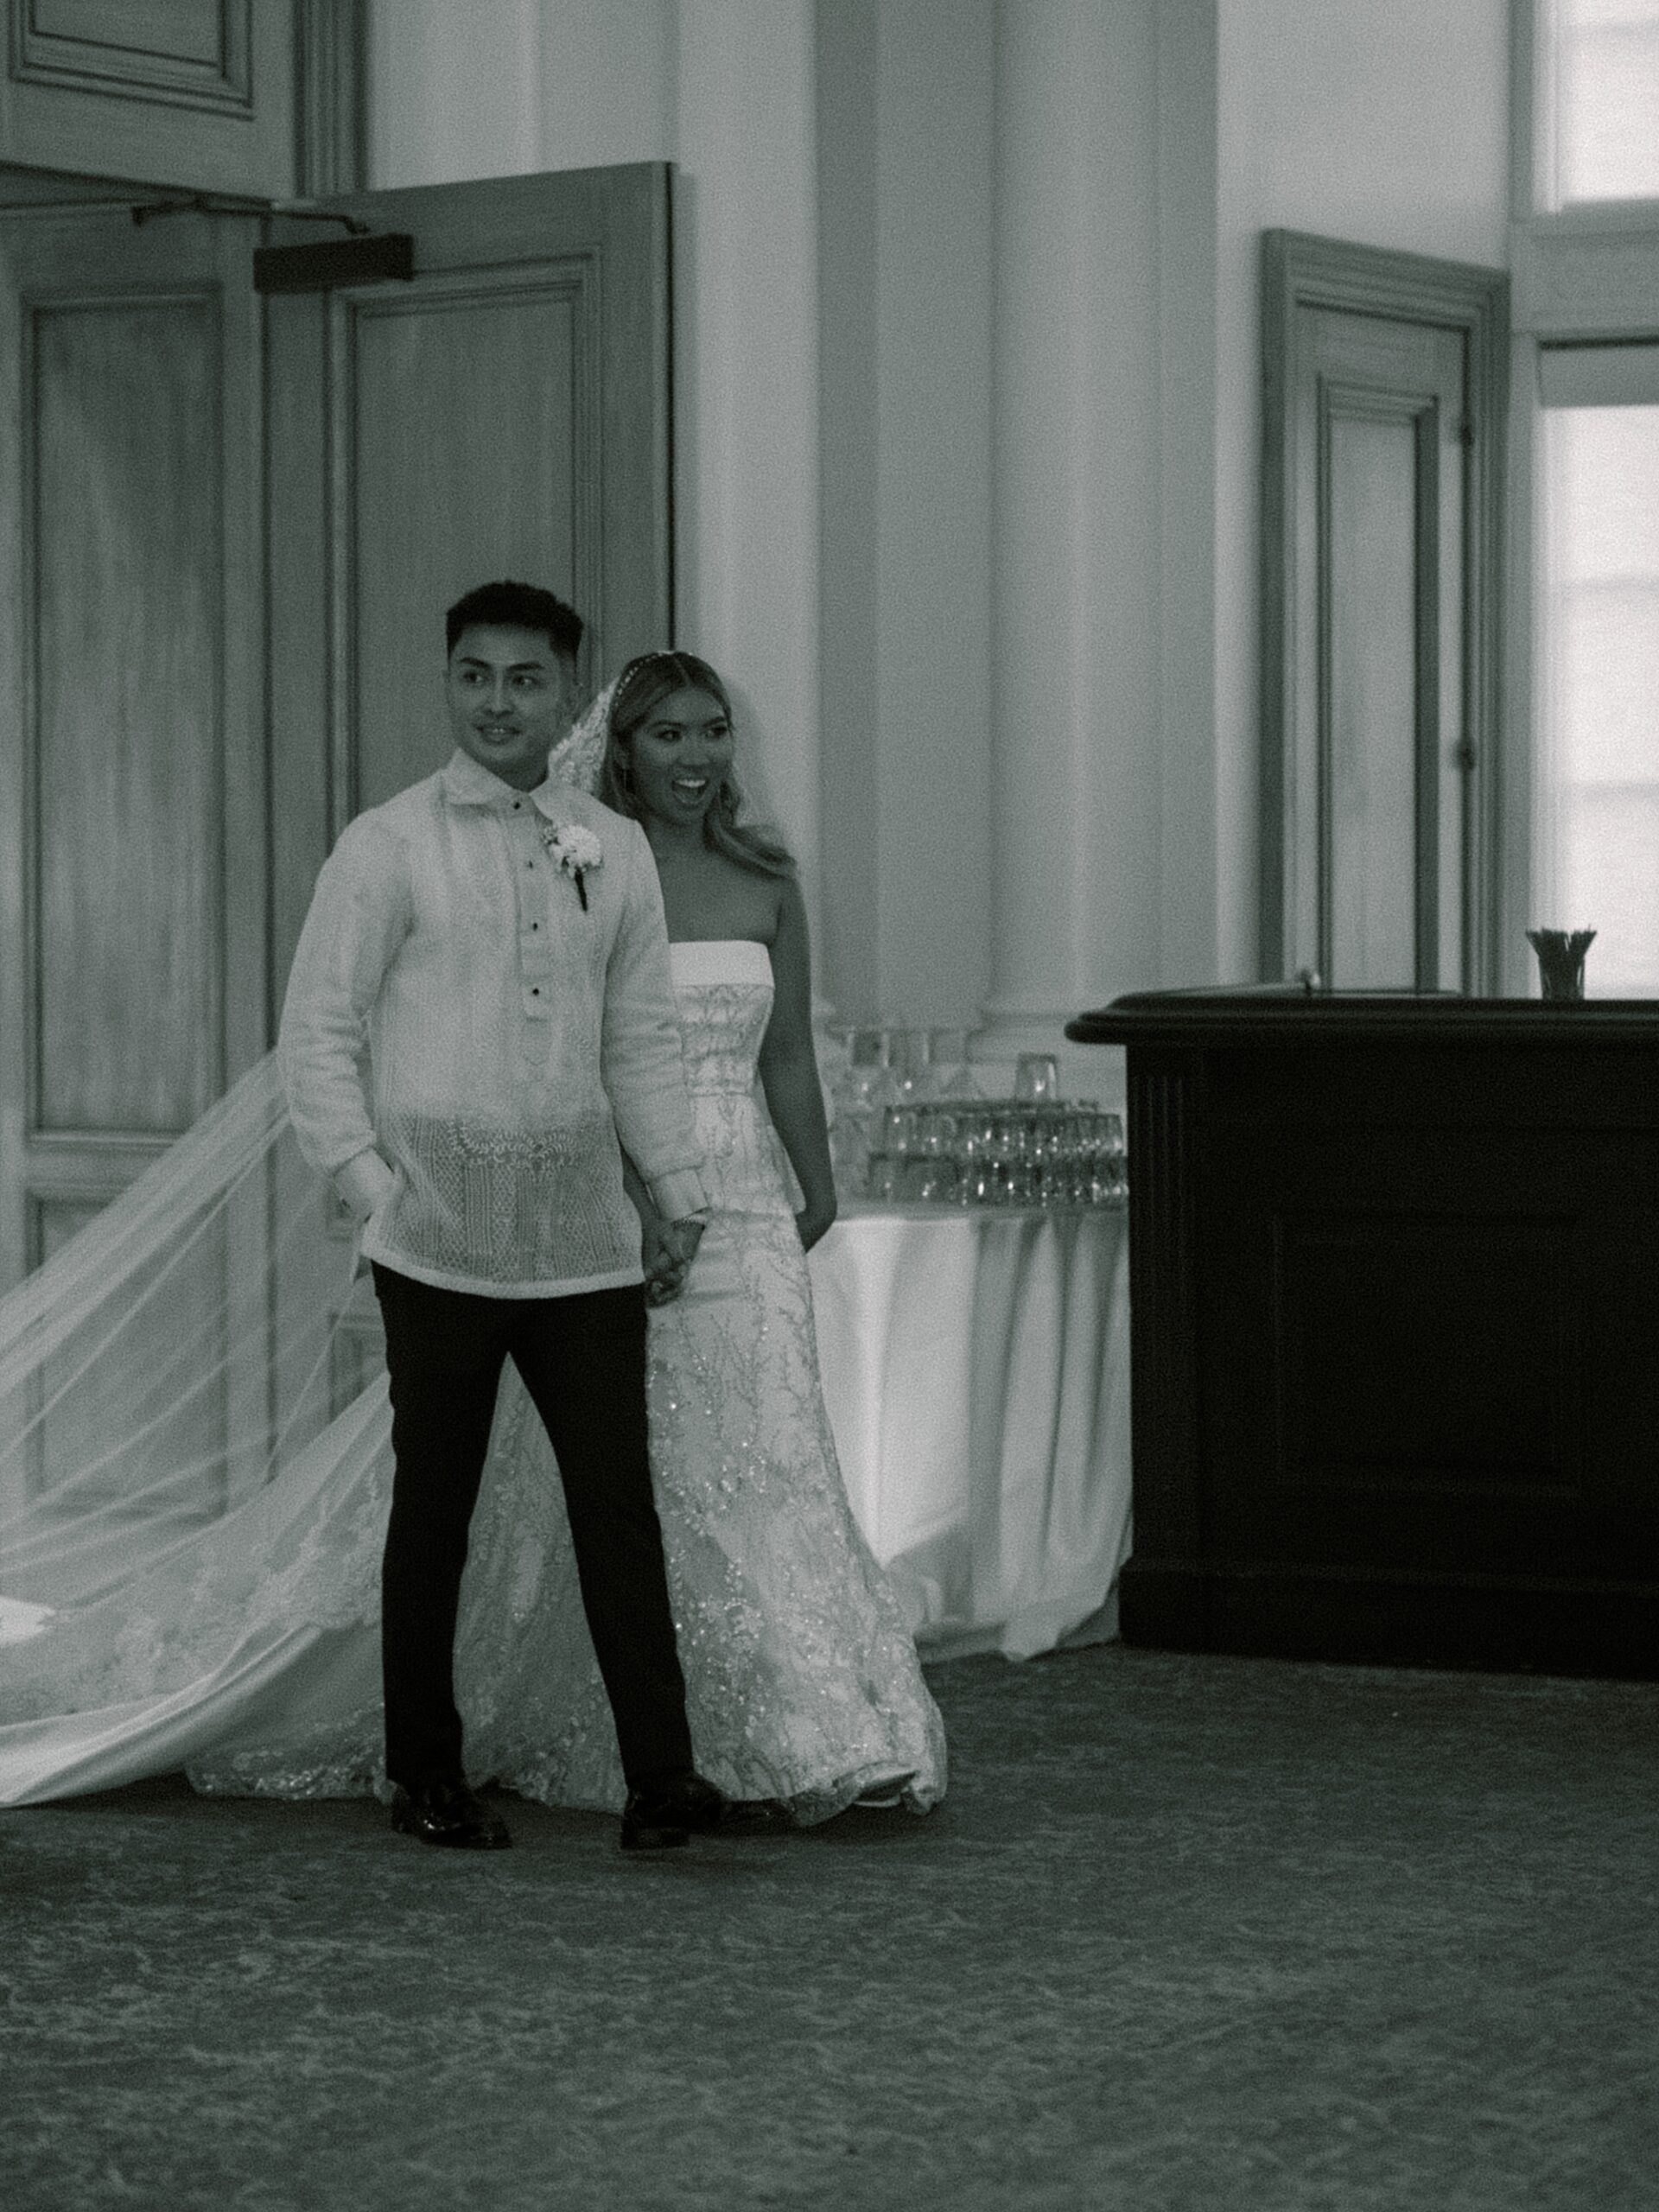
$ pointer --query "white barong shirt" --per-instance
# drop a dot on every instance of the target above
(512, 1038)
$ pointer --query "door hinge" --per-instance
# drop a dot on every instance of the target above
(1465, 757)
(1467, 432)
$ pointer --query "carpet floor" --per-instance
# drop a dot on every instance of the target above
(1188, 1933)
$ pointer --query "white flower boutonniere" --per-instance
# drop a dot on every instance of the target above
(577, 851)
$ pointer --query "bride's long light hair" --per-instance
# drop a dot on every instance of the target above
(643, 684)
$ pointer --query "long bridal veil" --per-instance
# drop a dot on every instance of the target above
(195, 1473)
(180, 1403)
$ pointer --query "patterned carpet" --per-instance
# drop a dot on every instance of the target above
(1188, 1934)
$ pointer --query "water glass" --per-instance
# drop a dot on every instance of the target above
(952, 1076)
(1036, 1075)
(909, 1063)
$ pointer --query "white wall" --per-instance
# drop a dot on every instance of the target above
(454, 93)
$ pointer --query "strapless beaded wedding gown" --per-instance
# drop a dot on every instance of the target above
(250, 1657)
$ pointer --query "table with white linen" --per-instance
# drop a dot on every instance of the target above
(976, 1372)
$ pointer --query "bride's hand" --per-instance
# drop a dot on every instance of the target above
(667, 1250)
(663, 1260)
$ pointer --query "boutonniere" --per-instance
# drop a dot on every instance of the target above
(577, 851)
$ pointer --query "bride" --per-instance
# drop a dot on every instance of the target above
(189, 1550)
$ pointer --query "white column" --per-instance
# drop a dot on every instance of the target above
(931, 689)
(1075, 448)
(746, 388)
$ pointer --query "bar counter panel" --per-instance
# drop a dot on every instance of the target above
(1395, 1281)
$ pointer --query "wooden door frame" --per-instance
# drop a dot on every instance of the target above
(1299, 270)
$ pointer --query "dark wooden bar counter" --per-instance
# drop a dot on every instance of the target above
(1394, 1270)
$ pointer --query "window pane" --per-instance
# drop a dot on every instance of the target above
(1598, 813)
(1602, 67)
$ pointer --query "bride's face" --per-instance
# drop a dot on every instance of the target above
(679, 755)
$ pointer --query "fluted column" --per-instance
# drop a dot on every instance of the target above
(1076, 543)
(745, 374)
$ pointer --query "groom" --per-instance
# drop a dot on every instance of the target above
(496, 941)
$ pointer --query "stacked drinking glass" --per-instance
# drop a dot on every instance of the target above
(984, 1152)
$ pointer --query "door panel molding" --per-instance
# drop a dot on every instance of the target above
(1302, 273)
(123, 567)
(363, 491)
(202, 59)
(262, 98)
(1341, 404)
(132, 902)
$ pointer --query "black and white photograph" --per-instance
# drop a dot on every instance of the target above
(830, 1105)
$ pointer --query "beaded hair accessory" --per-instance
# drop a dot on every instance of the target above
(579, 757)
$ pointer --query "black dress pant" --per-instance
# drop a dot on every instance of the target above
(582, 1359)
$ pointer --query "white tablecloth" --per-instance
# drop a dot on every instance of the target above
(977, 1371)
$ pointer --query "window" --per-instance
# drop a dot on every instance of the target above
(1586, 262)
(1597, 104)
(1597, 856)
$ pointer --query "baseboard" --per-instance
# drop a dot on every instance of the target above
(1508, 1626)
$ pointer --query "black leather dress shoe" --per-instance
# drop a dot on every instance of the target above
(661, 1820)
(450, 1815)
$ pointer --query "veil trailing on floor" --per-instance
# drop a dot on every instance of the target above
(195, 1470)
(156, 1368)
(195, 1474)
(189, 1362)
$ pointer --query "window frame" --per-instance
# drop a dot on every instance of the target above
(1583, 276)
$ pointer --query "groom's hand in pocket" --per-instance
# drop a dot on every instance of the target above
(365, 1184)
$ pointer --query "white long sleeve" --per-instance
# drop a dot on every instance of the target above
(512, 1024)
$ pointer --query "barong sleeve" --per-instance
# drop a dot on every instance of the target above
(359, 914)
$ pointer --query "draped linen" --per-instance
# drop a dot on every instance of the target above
(977, 1370)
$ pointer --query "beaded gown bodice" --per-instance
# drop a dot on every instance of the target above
(802, 1680)
(723, 989)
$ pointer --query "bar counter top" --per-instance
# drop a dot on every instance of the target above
(1260, 1014)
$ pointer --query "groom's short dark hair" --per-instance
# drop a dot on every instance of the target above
(511, 606)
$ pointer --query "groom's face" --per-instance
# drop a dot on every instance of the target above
(510, 699)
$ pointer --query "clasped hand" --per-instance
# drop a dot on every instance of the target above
(667, 1249)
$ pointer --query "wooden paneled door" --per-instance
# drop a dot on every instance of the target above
(1382, 503)
(229, 528)
(132, 918)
